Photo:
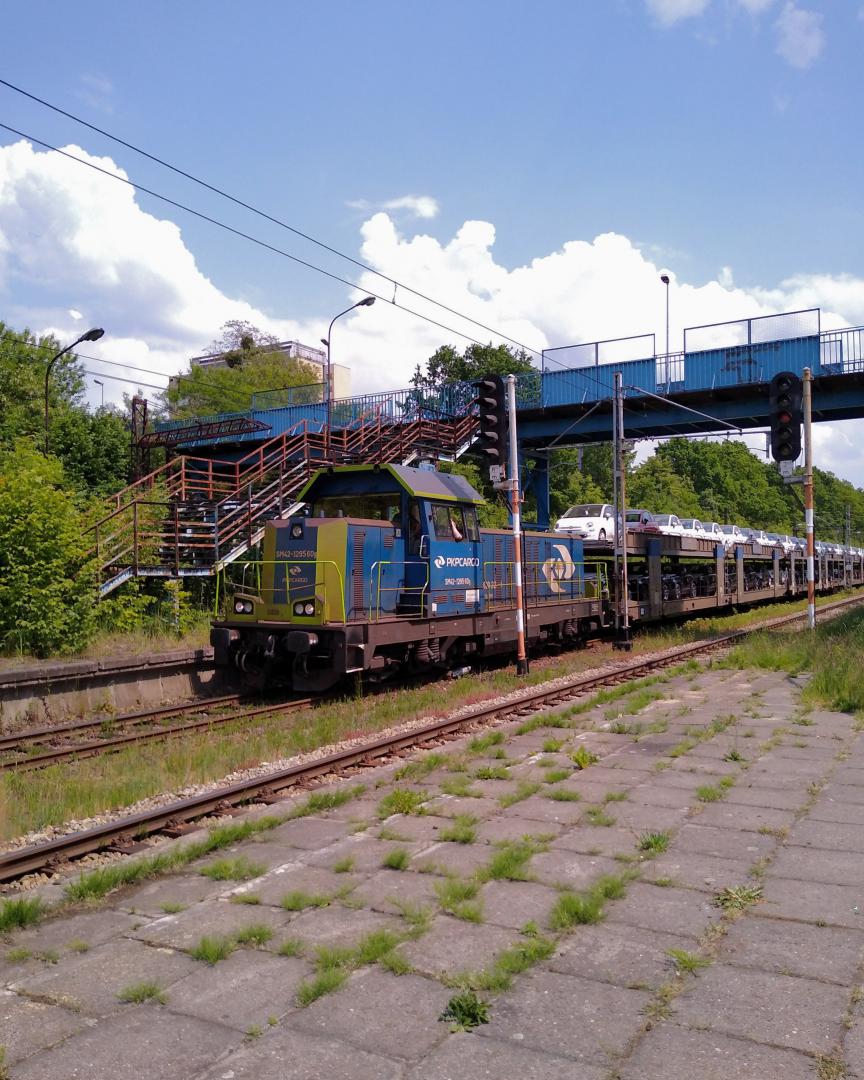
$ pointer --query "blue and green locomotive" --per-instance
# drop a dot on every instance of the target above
(388, 571)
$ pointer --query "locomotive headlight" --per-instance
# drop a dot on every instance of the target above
(296, 531)
(243, 607)
(238, 606)
(298, 608)
(309, 609)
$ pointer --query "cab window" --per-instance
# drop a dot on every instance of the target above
(471, 531)
(448, 521)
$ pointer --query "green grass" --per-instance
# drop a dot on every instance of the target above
(456, 896)
(615, 796)
(291, 947)
(706, 793)
(18, 913)
(481, 743)
(238, 868)
(492, 772)
(397, 859)
(170, 907)
(552, 746)
(417, 770)
(549, 720)
(563, 795)
(583, 757)
(687, 961)
(462, 830)
(324, 982)
(653, 843)
(298, 900)
(524, 790)
(138, 993)
(400, 801)
(459, 786)
(555, 776)
(510, 862)
(344, 866)
(576, 909)
(256, 934)
(210, 950)
(18, 955)
(596, 815)
(465, 1011)
(738, 897)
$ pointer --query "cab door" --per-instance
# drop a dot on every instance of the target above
(454, 565)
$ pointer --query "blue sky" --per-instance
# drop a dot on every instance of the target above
(716, 138)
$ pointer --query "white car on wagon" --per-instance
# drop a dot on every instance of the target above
(591, 521)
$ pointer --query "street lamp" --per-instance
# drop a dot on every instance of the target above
(91, 335)
(101, 386)
(665, 279)
(367, 301)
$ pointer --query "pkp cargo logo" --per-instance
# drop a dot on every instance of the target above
(440, 561)
(559, 570)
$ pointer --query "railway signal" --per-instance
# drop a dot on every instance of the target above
(785, 396)
(492, 440)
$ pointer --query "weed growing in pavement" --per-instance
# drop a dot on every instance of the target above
(417, 917)
(510, 861)
(416, 770)
(555, 776)
(256, 935)
(664, 882)
(831, 1066)
(400, 801)
(596, 815)
(563, 795)
(653, 843)
(738, 897)
(138, 993)
(298, 900)
(18, 913)
(238, 868)
(706, 793)
(387, 833)
(344, 866)
(213, 949)
(462, 830)
(333, 965)
(465, 1011)
(460, 787)
(687, 961)
(324, 982)
(583, 757)
(291, 947)
(524, 790)
(4, 1071)
(77, 945)
(498, 977)
(552, 746)
(18, 956)
(550, 720)
(172, 908)
(734, 755)
(455, 896)
(481, 743)
(254, 1031)
(615, 796)
(397, 859)
(576, 909)
(491, 772)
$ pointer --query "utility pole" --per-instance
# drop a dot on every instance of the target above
(848, 534)
(521, 652)
(808, 498)
(623, 636)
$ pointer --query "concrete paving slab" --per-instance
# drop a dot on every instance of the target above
(418, 828)
(853, 1048)
(669, 1052)
(452, 805)
(571, 869)
(307, 833)
(780, 1010)
(29, 1026)
(597, 840)
(452, 946)
(465, 1057)
(186, 889)
(703, 872)
(624, 955)
(816, 902)
(643, 818)
(368, 852)
(746, 794)
(723, 815)
(568, 1016)
(722, 843)
(211, 918)
(849, 774)
(447, 859)
(145, 1042)
(339, 926)
(514, 903)
(832, 836)
(843, 793)
(91, 928)
(539, 809)
(843, 813)
(244, 990)
(687, 780)
(393, 1015)
(828, 953)
(659, 794)
(670, 910)
(499, 829)
(387, 889)
(592, 791)
(296, 877)
(816, 864)
(92, 981)
(611, 772)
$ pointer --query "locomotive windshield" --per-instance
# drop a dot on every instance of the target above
(371, 507)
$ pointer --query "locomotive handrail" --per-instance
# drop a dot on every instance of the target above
(490, 585)
(375, 614)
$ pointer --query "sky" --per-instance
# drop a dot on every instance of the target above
(533, 167)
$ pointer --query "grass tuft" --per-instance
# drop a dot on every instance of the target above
(397, 859)
(138, 993)
(463, 830)
(687, 961)
(738, 897)
(210, 950)
(563, 795)
(400, 801)
(256, 934)
(237, 868)
(324, 982)
(583, 757)
(465, 1011)
(576, 909)
(299, 900)
(18, 913)
(524, 790)
(653, 843)
(510, 862)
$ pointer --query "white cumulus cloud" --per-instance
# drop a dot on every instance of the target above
(420, 206)
(672, 11)
(800, 38)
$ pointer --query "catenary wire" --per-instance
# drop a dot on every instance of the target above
(261, 213)
(244, 235)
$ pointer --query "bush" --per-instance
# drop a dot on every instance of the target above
(47, 582)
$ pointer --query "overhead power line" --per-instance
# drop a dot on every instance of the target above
(260, 213)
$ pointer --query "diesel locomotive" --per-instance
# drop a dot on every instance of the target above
(388, 572)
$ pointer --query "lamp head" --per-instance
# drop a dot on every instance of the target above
(368, 302)
(324, 341)
(92, 335)
(664, 278)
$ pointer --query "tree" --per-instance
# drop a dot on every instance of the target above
(46, 578)
(94, 449)
(23, 361)
(252, 366)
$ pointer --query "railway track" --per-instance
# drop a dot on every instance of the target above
(139, 728)
(56, 852)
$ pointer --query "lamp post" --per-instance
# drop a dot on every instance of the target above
(101, 386)
(665, 279)
(91, 335)
(367, 301)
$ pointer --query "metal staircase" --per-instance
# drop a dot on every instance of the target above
(194, 515)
